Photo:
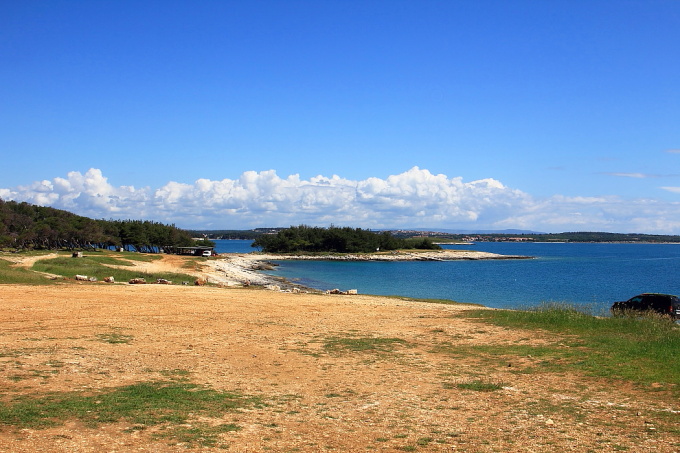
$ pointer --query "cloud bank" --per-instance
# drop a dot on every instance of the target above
(415, 198)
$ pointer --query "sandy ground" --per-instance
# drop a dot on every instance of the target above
(274, 346)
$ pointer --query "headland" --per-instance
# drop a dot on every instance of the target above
(240, 269)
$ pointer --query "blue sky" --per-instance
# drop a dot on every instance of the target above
(543, 115)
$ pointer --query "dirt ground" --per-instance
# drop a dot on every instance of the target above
(279, 347)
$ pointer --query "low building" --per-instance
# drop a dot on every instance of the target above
(194, 251)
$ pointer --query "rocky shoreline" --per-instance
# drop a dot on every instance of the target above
(237, 269)
(442, 255)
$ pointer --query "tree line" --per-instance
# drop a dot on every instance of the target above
(336, 240)
(26, 226)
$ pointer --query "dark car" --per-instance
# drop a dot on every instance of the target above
(665, 304)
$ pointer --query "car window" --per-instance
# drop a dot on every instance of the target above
(636, 300)
(658, 301)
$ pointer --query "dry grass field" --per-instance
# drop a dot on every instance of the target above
(115, 368)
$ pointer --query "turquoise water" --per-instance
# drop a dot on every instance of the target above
(233, 246)
(593, 275)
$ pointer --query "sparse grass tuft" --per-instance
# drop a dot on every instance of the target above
(362, 344)
(115, 338)
(197, 436)
(481, 386)
(177, 373)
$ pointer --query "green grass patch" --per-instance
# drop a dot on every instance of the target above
(119, 258)
(490, 354)
(362, 344)
(176, 373)
(95, 266)
(20, 275)
(108, 260)
(144, 257)
(169, 405)
(480, 386)
(644, 350)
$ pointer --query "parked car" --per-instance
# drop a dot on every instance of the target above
(665, 304)
(206, 253)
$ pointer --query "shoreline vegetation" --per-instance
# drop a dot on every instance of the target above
(305, 239)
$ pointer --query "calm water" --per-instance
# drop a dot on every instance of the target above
(233, 246)
(584, 274)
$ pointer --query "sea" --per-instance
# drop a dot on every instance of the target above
(589, 275)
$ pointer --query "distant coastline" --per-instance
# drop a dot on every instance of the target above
(397, 255)
(459, 237)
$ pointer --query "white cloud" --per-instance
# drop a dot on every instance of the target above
(610, 213)
(414, 198)
(631, 175)
(640, 175)
(88, 194)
